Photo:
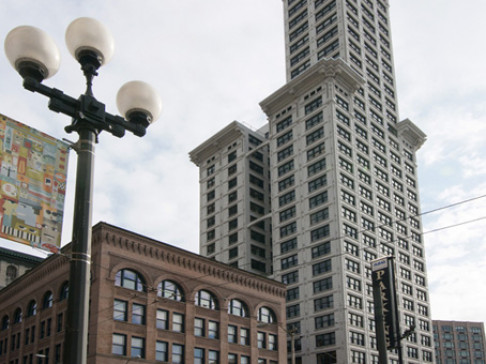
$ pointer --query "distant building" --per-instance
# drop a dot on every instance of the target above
(13, 264)
(459, 342)
(150, 302)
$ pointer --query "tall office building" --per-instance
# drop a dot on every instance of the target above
(343, 186)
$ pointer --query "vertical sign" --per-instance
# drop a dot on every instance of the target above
(385, 297)
(33, 168)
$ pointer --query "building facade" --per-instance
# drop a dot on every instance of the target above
(343, 184)
(13, 264)
(234, 199)
(150, 302)
(459, 342)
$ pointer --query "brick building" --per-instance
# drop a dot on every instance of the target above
(150, 302)
(13, 264)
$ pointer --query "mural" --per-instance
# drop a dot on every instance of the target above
(33, 168)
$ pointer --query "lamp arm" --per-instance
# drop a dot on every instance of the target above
(86, 112)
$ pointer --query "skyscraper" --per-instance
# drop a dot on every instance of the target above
(342, 188)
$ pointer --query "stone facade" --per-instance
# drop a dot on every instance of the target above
(13, 264)
(146, 295)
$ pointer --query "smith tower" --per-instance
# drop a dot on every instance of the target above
(343, 187)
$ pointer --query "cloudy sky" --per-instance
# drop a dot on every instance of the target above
(212, 61)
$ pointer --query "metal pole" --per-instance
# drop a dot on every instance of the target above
(292, 345)
(76, 340)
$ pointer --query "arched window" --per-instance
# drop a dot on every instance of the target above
(170, 290)
(5, 322)
(64, 291)
(238, 308)
(266, 315)
(48, 299)
(130, 279)
(32, 308)
(12, 272)
(18, 315)
(206, 299)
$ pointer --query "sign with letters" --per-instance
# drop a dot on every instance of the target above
(384, 282)
(33, 169)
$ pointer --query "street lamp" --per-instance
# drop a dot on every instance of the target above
(36, 57)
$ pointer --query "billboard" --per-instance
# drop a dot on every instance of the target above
(384, 292)
(33, 169)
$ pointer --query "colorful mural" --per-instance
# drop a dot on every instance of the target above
(33, 169)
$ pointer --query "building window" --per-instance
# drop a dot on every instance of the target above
(321, 267)
(213, 330)
(177, 322)
(48, 300)
(319, 233)
(289, 262)
(272, 342)
(177, 354)
(206, 299)
(232, 334)
(318, 200)
(161, 351)
(288, 229)
(198, 327)
(323, 303)
(233, 224)
(232, 358)
(266, 315)
(138, 314)
(213, 357)
(316, 167)
(288, 245)
(137, 347)
(12, 273)
(17, 316)
(162, 319)
(261, 340)
(119, 346)
(244, 336)
(292, 294)
(32, 308)
(5, 322)
(199, 356)
(233, 253)
(130, 279)
(322, 285)
(321, 322)
(290, 278)
(120, 309)
(320, 250)
(237, 308)
(325, 339)
(171, 290)
(211, 248)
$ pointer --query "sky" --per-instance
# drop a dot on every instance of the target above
(213, 61)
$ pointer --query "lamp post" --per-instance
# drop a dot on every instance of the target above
(36, 57)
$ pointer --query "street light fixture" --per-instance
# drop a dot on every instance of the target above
(36, 57)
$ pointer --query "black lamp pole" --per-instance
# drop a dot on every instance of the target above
(89, 119)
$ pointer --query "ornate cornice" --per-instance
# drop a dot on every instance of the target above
(165, 253)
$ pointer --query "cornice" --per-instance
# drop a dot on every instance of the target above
(224, 137)
(168, 254)
(411, 133)
(335, 70)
